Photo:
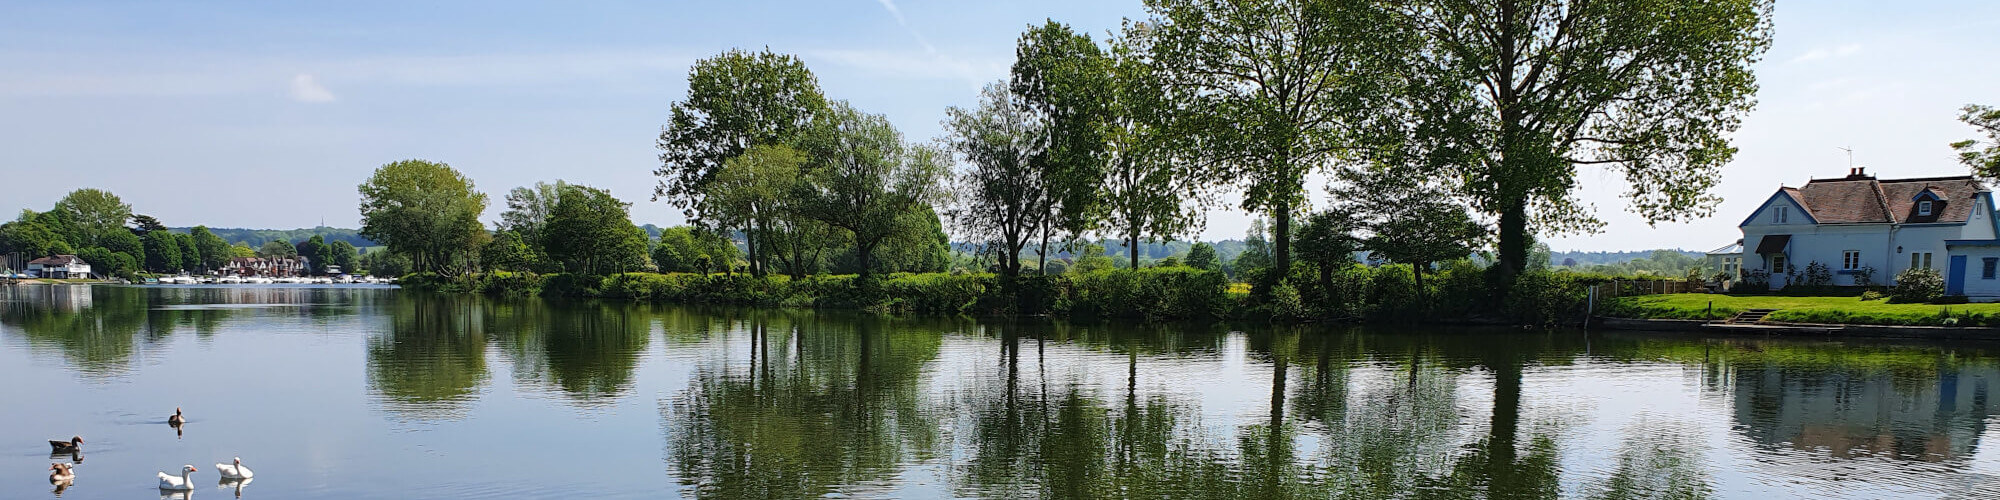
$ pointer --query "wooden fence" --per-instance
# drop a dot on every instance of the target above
(1627, 288)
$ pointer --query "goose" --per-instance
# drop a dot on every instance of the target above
(237, 471)
(73, 445)
(178, 483)
(60, 474)
(177, 419)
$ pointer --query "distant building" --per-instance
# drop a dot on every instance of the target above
(59, 267)
(1727, 260)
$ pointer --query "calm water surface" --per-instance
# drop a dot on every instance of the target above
(380, 393)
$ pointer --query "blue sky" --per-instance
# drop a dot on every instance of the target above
(266, 114)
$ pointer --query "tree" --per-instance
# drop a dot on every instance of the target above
(588, 232)
(1326, 239)
(864, 179)
(163, 252)
(1510, 97)
(735, 100)
(750, 192)
(142, 224)
(31, 238)
(1146, 189)
(528, 208)
(1002, 197)
(341, 253)
(124, 243)
(384, 263)
(91, 214)
(190, 254)
(278, 249)
(1063, 78)
(1984, 162)
(509, 250)
(424, 210)
(1202, 256)
(1265, 92)
(316, 252)
(1425, 231)
(241, 251)
(1256, 257)
(214, 252)
(105, 262)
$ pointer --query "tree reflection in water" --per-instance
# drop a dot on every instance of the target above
(431, 363)
(825, 403)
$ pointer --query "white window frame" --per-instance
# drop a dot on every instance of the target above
(1924, 207)
(1850, 260)
(1778, 263)
(1781, 215)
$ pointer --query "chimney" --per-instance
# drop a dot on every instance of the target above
(1858, 173)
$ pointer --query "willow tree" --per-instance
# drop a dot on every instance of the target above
(735, 100)
(1511, 97)
(1267, 91)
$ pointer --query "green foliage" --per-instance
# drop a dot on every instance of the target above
(342, 254)
(864, 179)
(383, 263)
(1090, 258)
(1650, 89)
(509, 250)
(528, 209)
(105, 262)
(424, 210)
(1546, 298)
(256, 237)
(316, 252)
(1261, 110)
(1818, 275)
(124, 243)
(936, 292)
(89, 216)
(1872, 295)
(1064, 80)
(590, 231)
(1150, 293)
(278, 250)
(1984, 162)
(1917, 285)
(163, 252)
(29, 237)
(1202, 256)
(1002, 199)
(752, 191)
(191, 257)
(735, 100)
(1864, 310)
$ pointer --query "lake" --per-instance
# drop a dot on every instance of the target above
(367, 392)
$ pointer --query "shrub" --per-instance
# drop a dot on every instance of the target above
(1872, 295)
(1817, 275)
(1865, 276)
(1917, 285)
(506, 283)
(1757, 279)
(1546, 298)
(1394, 293)
(1151, 293)
(1285, 303)
(936, 293)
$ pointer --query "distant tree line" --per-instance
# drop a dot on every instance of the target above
(101, 229)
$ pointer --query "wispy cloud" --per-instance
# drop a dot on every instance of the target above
(1824, 53)
(305, 88)
(897, 13)
(911, 64)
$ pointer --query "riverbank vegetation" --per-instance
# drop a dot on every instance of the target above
(100, 228)
(1132, 138)
(1859, 310)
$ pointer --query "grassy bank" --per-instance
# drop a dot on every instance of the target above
(1840, 310)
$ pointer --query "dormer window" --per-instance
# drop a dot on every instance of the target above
(1924, 208)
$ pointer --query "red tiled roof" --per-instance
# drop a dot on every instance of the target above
(1854, 199)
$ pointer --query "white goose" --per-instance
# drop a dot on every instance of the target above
(236, 471)
(178, 483)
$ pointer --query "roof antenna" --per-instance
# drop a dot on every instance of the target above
(1851, 172)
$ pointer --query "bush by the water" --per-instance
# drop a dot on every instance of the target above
(1917, 285)
(1351, 292)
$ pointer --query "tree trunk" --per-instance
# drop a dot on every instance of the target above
(750, 240)
(1513, 240)
(1281, 235)
(1417, 276)
(1132, 248)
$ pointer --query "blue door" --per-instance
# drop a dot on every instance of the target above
(1954, 283)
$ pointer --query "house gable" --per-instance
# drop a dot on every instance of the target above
(1797, 213)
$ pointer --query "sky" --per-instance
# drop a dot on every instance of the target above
(268, 114)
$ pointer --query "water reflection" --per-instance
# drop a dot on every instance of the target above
(795, 403)
(803, 407)
(431, 363)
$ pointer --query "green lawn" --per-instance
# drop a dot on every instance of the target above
(1848, 310)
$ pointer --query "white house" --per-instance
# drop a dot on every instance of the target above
(59, 267)
(1858, 223)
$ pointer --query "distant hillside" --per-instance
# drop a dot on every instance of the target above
(257, 237)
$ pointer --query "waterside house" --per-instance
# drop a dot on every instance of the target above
(1866, 230)
(59, 267)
